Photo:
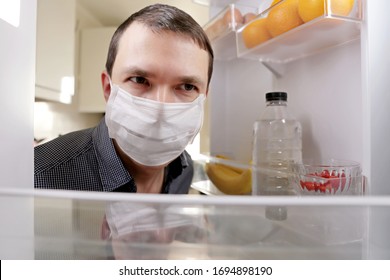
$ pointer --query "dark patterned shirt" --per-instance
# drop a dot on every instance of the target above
(86, 160)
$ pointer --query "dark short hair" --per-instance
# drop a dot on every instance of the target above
(159, 17)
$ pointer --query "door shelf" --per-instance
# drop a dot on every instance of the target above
(310, 38)
(221, 29)
(331, 29)
(287, 30)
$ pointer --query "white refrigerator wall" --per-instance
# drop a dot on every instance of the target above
(236, 99)
(17, 68)
(376, 93)
(324, 93)
(376, 117)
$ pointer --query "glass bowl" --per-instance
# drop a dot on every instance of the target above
(327, 177)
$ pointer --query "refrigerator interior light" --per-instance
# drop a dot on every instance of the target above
(10, 11)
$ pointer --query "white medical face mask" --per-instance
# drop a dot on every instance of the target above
(152, 133)
(126, 218)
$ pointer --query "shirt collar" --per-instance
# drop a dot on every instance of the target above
(112, 172)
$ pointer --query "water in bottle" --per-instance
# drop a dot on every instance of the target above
(277, 142)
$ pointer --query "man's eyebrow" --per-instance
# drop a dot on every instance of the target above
(138, 72)
(191, 80)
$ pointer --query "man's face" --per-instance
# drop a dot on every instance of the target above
(164, 66)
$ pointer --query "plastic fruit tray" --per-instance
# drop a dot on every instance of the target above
(327, 177)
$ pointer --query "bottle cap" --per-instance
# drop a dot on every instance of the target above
(276, 95)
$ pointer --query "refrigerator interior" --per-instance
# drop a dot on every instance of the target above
(340, 94)
(324, 93)
(334, 71)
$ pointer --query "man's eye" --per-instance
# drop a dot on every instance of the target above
(139, 80)
(188, 87)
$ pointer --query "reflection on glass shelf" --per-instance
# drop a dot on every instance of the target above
(135, 230)
(86, 225)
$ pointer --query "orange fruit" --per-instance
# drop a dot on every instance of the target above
(310, 9)
(255, 33)
(283, 17)
(341, 7)
(233, 14)
(274, 2)
(249, 17)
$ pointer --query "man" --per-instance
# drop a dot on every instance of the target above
(158, 70)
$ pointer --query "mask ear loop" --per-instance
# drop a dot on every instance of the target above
(113, 88)
(111, 83)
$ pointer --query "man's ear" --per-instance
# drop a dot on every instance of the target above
(106, 85)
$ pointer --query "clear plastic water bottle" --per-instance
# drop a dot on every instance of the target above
(277, 142)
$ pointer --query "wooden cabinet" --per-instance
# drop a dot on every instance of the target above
(93, 53)
(56, 21)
